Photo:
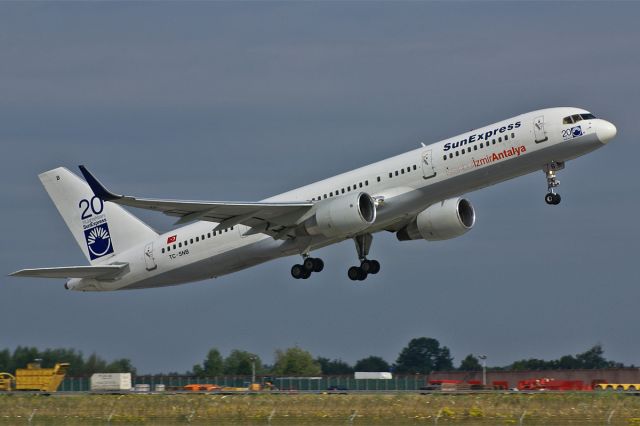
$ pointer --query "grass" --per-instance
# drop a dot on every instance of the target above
(495, 409)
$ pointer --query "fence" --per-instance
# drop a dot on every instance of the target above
(320, 383)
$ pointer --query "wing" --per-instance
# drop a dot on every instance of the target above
(269, 218)
(98, 272)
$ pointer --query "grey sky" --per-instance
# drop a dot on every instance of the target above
(240, 101)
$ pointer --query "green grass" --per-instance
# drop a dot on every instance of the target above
(495, 409)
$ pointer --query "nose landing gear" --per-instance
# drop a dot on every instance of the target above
(550, 170)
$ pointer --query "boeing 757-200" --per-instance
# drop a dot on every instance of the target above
(416, 195)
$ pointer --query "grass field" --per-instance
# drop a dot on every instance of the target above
(495, 409)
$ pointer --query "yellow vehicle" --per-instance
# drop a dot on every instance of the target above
(620, 387)
(34, 378)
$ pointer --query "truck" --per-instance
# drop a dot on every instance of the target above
(34, 378)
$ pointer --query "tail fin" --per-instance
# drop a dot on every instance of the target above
(101, 229)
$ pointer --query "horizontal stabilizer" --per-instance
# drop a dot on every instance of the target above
(99, 272)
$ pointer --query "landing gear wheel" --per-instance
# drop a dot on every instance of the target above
(298, 271)
(356, 273)
(305, 274)
(365, 265)
(552, 198)
(374, 267)
(318, 265)
(309, 264)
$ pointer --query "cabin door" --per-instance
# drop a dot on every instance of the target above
(149, 260)
(428, 170)
(538, 129)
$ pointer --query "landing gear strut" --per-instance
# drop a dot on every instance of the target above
(360, 273)
(309, 265)
(552, 182)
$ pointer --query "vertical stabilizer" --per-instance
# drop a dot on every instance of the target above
(101, 229)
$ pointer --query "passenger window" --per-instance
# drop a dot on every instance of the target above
(226, 229)
(450, 155)
(513, 135)
(360, 184)
(163, 250)
(209, 235)
(378, 178)
(179, 244)
(197, 239)
(457, 153)
(342, 190)
(444, 157)
(493, 141)
(463, 150)
(396, 173)
(500, 139)
(567, 120)
(366, 183)
(390, 174)
(191, 241)
(174, 246)
(231, 228)
(481, 145)
(415, 167)
(331, 194)
(475, 147)
(402, 171)
(506, 137)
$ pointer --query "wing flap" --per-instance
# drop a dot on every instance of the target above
(97, 272)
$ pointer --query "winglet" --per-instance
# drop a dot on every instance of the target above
(98, 189)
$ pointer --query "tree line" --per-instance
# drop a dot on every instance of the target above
(421, 356)
(79, 365)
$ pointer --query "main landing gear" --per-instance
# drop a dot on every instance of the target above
(360, 273)
(309, 265)
(552, 182)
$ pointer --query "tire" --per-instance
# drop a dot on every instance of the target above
(363, 275)
(318, 265)
(374, 267)
(297, 271)
(305, 273)
(353, 273)
(365, 265)
(556, 199)
(309, 264)
(549, 198)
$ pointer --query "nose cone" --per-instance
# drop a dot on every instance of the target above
(606, 131)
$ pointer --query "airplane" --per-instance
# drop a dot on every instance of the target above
(418, 195)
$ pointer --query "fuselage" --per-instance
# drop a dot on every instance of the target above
(403, 185)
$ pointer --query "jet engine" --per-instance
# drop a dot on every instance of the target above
(441, 221)
(345, 215)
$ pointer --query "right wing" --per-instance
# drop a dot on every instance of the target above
(270, 218)
(103, 272)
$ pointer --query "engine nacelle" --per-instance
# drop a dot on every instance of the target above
(441, 221)
(345, 215)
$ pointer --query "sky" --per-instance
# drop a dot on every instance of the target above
(241, 101)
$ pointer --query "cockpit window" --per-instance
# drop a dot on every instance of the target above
(577, 117)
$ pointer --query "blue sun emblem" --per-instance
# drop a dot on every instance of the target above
(98, 241)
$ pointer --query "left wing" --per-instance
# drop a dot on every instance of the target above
(270, 218)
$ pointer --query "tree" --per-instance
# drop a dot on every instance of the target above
(470, 363)
(5, 360)
(211, 366)
(122, 365)
(424, 355)
(239, 363)
(295, 361)
(372, 363)
(334, 366)
(94, 364)
(593, 358)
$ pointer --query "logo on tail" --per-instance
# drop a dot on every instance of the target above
(96, 230)
(98, 241)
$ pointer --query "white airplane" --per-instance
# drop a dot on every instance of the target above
(416, 195)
